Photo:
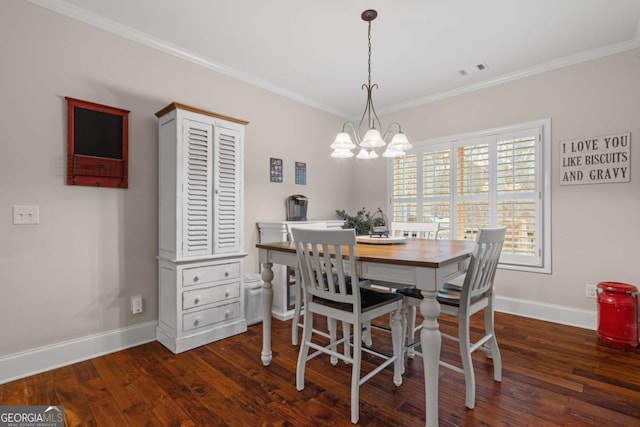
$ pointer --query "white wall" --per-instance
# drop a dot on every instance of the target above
(596, 228)
(73, 275)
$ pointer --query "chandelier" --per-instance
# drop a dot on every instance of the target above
(372, 139)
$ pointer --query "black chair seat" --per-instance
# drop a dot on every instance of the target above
(369, 300)
(448, 294)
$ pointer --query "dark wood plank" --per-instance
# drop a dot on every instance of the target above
(553, 375)
(127, 395)
(79, 412)
(40, 388)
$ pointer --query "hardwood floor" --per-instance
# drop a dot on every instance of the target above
(553, 375)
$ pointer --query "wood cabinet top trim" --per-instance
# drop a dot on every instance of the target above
(178, 106)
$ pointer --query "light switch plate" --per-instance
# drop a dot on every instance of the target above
(23, 215)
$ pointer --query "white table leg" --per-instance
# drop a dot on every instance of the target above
(398, 345)
(267, 303)
(431, 341)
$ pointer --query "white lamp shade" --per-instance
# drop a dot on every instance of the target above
(343, 141)
(400, 140)
(364, 154)
(341, 153)
(372, 139)
(393, 151)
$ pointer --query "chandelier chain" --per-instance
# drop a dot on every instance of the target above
(369, 37)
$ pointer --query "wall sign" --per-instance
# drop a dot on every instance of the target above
(301, 173)
(596, 160)
(275, 169)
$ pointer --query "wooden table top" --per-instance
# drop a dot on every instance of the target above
(416, 252)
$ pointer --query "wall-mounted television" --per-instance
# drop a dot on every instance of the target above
(97, 144)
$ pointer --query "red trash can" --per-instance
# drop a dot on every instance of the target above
(618, 314)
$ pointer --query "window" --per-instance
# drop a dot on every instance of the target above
(482, 179)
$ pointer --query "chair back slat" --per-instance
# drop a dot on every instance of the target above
(417, 230)
(324, 257)
(484, 262)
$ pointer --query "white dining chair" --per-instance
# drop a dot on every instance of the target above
(330, 291)
(465, 296)
(410, 230)
(297, 310)
(417, 230)
(414, 230)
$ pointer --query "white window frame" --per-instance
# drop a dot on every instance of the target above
(543, 184)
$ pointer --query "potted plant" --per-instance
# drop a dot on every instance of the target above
(362, 221)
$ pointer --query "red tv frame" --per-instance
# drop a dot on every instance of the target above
(97, 145)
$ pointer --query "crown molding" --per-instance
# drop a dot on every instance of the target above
(94, 20)
(528, 72)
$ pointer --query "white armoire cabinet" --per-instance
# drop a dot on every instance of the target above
(200, 244)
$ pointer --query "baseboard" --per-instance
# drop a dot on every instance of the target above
(587, 319)
(43, 359)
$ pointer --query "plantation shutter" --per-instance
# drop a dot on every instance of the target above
(197, 209)
(227, 190)
(436, 185)
(517, 193)
(405, 188)
(472, 192)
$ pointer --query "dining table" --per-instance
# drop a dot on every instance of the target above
(424, 263)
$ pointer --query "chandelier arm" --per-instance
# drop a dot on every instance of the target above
(366, 107)
(388, 131)
(372, 121)
(353, 130)
(369, 109)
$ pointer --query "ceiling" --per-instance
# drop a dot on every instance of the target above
(316, 51)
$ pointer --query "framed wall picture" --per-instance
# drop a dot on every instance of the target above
(97, 145)
(275, 169)
(301, 173)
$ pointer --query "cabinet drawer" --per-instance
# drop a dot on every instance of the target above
(210, 316)
(204, 296)
(210, 273)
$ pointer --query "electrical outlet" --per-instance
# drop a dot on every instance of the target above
(136, 304)
(590, 291)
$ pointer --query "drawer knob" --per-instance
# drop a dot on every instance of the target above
(226, 274)
(197, 300)
(196, 278)
(226, 294)
(227, 315)
(196, 322)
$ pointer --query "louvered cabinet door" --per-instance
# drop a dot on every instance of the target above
(196, 188)
(227, 186)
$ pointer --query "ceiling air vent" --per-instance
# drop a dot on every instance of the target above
(475, 68)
